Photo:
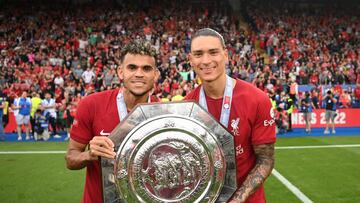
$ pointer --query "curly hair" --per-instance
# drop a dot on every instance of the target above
(138, 47)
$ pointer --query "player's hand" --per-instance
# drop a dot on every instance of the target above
(101, 146)
(234, 201)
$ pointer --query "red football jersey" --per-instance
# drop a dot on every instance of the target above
(96, 113)
(251, 123)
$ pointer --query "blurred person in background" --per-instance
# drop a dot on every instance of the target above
(48, 105)
(2, 106)
(22, 108)
(35, 104)
(330, 112)
(307, 109)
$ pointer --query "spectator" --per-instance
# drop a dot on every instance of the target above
(2, 106)
(35, 104)
(48, 105)
(290, 109)
(41, 125)
(88, 76)
(345, 100)
(22, 108)
(58, 80)
(330, 113)
(178, 96)
(281, 120)
(357, 94)
(315, 98)
(306, 108)
(294, 92)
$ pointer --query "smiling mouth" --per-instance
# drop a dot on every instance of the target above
(138, 82)
(207, 69)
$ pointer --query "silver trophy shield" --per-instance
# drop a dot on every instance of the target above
(170, 152)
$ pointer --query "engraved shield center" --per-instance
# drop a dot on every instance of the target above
(171, 170)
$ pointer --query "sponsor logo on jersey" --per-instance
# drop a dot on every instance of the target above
(104, 133)
(239, 150)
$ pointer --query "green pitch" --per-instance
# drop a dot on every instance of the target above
(322, 174)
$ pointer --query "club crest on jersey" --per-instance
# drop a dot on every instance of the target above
(235, 126)
(272, 113)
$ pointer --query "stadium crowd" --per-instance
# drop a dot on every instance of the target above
(71, 51)
(308, 45)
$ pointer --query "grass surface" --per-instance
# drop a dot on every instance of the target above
(38, 178)
(324, 175)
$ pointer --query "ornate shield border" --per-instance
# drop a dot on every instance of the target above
(169, 116)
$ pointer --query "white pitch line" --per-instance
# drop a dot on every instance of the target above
(319, 146)
(302, 197)
(32, 152)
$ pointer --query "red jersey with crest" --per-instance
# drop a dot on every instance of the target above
(251, 123)
(97, 114)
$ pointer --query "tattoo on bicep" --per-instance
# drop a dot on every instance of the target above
(264, 164)
(264, 154)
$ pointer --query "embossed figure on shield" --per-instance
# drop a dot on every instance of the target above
(170, 152)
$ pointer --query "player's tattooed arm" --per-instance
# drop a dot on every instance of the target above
(262, 169)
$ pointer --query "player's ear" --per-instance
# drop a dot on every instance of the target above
(226, 53)
(157, 74)
(190, 58)
(120, 72)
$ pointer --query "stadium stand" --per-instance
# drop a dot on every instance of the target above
(72, 50)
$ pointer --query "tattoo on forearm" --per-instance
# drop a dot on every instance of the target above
(262, 169)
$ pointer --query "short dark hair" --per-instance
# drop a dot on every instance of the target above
(209, 32)
(138, 47)
(329, 92)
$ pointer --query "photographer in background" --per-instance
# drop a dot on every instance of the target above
(330, 113)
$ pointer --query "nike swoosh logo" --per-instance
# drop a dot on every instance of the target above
(105, 134)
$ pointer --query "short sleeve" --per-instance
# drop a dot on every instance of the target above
(264, 126)
(81, 130)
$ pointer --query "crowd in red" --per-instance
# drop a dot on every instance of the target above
(317, 46)
(73, 50)
(76, 50)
